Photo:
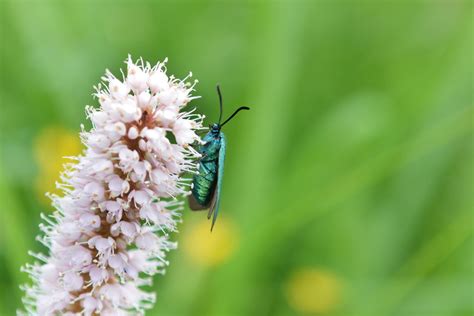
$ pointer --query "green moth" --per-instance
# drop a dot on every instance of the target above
(207, 183)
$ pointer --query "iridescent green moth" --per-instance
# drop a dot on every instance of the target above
(207, 183)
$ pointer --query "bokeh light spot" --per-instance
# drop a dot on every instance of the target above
(208, 248)
(313, 290)
(51, 146)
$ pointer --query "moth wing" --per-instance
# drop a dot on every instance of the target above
(215, 202)
(212, 203)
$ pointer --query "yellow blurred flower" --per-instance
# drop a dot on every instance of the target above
(50, 147)
(313, 290)
(210, 249)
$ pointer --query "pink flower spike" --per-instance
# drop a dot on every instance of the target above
(110, 231)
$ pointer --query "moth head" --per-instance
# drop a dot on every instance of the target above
(215, 128)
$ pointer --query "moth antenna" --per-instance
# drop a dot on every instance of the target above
(220, 103)
(235, 113)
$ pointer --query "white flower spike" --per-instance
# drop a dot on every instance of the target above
(109, 233)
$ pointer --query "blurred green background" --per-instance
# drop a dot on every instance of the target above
(348, 187)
